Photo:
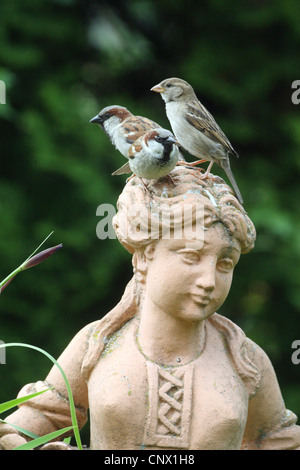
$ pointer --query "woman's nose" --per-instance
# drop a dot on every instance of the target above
(207, 277)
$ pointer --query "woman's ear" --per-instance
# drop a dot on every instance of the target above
(149, 251)
(140, 262)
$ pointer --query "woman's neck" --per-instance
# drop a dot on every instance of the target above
(168, 340)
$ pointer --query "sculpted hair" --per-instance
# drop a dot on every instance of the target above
(140, 215)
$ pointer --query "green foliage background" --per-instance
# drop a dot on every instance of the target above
(64, 60)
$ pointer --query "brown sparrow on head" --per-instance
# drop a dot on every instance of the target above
(195, 128)
(154, 154)
(123, 129)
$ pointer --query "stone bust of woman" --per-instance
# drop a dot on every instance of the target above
(163, 370)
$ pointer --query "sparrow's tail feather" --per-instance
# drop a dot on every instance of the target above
(125, 169)
(226, 167)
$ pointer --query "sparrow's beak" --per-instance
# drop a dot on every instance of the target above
(158, 89)
(96, 119)
(172, 140)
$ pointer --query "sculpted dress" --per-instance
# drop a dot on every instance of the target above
(221, 400)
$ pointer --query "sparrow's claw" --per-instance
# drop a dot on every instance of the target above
(198, 169)
(203, 177)
(197, 162)
(192, 164)
(146, 189)
(130, 178)
(173, 179)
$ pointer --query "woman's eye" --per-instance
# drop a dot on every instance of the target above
(225, 265)
(190, 257)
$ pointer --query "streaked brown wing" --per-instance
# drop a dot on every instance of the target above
(135, 148)
(148, 123)
(198, 116)
(136, 126)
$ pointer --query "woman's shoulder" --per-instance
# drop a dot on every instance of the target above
(247, 357)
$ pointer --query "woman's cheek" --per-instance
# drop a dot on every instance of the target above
(224, 281)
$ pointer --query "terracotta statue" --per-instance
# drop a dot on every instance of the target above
(163, 370)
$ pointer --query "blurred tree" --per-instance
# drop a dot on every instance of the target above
(64, 60)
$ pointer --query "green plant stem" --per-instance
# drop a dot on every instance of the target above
(11, 275)
(69, 390)
(34, 252)
(21, 267)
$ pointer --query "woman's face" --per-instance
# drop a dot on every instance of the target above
(191, 284)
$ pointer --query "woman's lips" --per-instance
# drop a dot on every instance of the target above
(201, 299)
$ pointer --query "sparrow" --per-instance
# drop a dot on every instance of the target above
(123, 129)
(154, 154)
(195, 128)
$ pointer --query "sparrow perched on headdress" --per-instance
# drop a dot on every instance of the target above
(195, 128)
(154, 154)
(123, 129)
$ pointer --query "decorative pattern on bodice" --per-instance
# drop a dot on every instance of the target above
(170, 404)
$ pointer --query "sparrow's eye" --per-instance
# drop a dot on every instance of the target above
(168, 85)
(158, 138)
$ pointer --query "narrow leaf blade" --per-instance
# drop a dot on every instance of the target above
(21, 430)
(43, 439)
(17, 401)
